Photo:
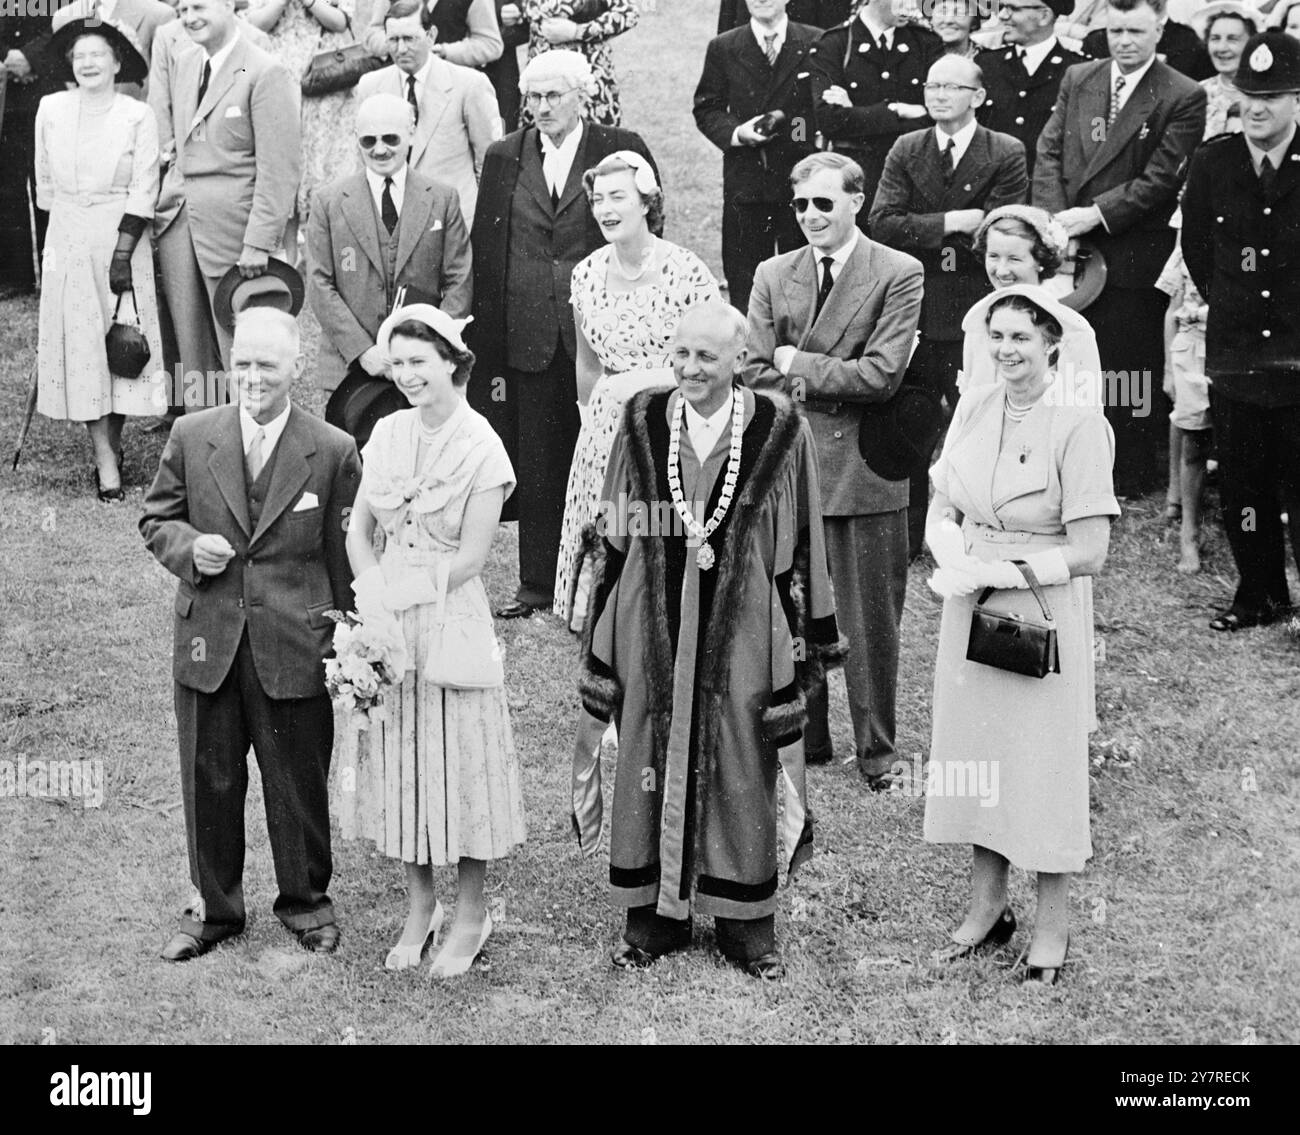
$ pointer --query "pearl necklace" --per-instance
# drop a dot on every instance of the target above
(705, 557)
(1013, 412)
(647, 258)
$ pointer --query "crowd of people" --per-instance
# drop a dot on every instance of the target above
(974, 257)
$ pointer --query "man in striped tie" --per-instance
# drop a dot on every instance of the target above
(1110, 163)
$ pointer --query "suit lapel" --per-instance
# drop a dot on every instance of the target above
(852, 288)
(793, 52)
(290, 473)
(226, 464)
(359, 212)
(974, 162)
(433, 104)
(411, 225)
(530, 169)
(800, 291)
(221, 82)
(1140, 104)
(573, 186)
(1093, 103)
(750, 56)
(932, 166)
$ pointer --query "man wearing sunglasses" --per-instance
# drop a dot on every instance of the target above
(832, 325)
(1022, 76)
(384, 227)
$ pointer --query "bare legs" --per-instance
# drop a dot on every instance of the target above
(1195, 449)
(106, 437)
(471, 908)
(989, 899)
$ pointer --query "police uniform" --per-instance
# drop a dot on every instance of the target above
(1241, 244)
(1017, 102)
(846, 56)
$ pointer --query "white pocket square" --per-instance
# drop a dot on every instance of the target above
(308, 501)
(233, 112)
(436, 227)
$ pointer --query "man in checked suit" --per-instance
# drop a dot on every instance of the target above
(369, 233)
(832, 325)
(937, 187)
(248, 511)
(749, 72)
(532, 227)
(1110, 163)
(1022, 76)
(230, 111)
(455, 109)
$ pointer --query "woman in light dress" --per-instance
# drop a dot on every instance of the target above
(436, 778)
(97, 173)
(1021, 244)
(298, 30)
(1224, 27)
(627, 299)
(1020, 478)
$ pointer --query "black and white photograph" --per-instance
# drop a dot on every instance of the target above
(650, 522)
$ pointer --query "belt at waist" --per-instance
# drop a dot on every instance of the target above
(976, 532)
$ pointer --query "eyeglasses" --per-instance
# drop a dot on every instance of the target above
(946, 88)
(551, 98)
(369, 141)
(821, 204)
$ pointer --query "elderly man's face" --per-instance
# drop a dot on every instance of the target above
(556, 105)
(707, 358)
(408, 43)
(383, 135)
(263, 365)
(952, 91)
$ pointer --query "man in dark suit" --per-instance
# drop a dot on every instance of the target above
(812, 13)
(1023, 76)
(831, 325)
(247, 511)
(371, 232)
(937, 187)
(532, 226)
(750, 72)
(1110, 163)
(1241, 243)
(867, 76)
(1179, 46)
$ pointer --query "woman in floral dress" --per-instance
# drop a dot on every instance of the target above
(585, 26)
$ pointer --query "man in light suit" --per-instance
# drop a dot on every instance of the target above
(832, 326)
(455, 108)
(1111, 160)
(936, 188)
(248, 510)
(534, 224)
(231, 113)
(369, 233)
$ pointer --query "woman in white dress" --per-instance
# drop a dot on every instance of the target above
(1027, 479)
(97, 174)
(437, 782)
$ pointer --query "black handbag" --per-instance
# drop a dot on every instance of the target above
(125, 345)
(1012, 642)
(339, 69)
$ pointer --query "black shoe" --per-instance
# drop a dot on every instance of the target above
(519, 609)
(184, 947)
(628, 956)
(999, 934)
(1238, 619)
(1046, 975)
(108, 496)
(319, 939)
(877, 781)
(766, 967)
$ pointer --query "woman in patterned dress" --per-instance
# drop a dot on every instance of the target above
(97, 174)
(298, 29)
(438, 781)
(585, 26)
(627, 299)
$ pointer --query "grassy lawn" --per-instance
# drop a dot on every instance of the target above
(1184, 923)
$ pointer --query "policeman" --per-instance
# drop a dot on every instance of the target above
(1022, 76)
(1241, 243)
(867, 77)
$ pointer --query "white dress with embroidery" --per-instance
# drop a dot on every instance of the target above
(435, 777)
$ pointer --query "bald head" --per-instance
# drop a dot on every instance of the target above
(708, 353)
(384, 129)
(954, 87)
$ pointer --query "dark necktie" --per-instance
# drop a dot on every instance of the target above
(387, 208)
(949, 159)
(1267, 176)
(881, 43)
(769, 49)
(828, 282)
(410, 97)
(203, 82)
(1120, 82)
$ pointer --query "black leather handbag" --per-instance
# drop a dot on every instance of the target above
(338, 69)
(1011, 642)
(125, 345)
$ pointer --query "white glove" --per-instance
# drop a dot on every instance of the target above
(368, 587)
(946, 543)
(1049, 568)
(951, 582)
(413, 588)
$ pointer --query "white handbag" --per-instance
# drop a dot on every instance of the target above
(462, 651)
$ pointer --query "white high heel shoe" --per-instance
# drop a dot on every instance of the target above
(445, 967)
(408, 957)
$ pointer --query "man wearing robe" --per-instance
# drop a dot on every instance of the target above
(711, 611)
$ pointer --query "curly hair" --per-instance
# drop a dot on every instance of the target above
(653, 201)
(463, 361)
(1046, 256)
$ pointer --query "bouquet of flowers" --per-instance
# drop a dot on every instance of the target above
(368, 658)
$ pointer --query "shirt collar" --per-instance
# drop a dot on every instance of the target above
(1275, 156)
(875, 30)
(1134, 78)
(217, 58)
(760, 32)
(1037, 52)
(377, 182)
(273, 429)
(568, 147)
(841, 255)
(962, 137)
(714, 422)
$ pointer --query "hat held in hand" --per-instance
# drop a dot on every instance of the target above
(279, 286)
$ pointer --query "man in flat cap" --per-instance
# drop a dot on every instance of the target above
(1241, 243)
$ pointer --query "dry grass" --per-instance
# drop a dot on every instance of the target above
(1184, 921)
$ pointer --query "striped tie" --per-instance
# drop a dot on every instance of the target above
(769, 49)
(255, 459)
(1120, 82)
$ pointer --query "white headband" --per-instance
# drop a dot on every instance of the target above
(643, 174)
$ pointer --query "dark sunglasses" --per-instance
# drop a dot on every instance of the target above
(821, 204)
(369, 141)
